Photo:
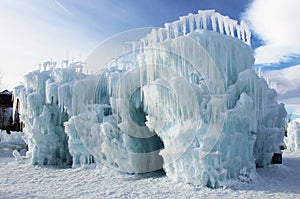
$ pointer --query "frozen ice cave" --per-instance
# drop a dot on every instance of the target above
(184, 99)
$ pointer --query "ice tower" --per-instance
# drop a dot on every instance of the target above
(292, 140)
(184, 99)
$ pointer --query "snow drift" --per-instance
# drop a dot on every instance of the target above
(184, 98)
(12, 141)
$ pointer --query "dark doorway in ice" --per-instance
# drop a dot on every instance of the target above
(136, 108)
(138, 115)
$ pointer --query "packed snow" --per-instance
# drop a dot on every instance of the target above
(19, 179)
(27, 181)
(178, 106)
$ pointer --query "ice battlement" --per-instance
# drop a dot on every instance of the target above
(51, 65)
(203, 20)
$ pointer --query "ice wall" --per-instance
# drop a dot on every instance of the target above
(45, 106)
(292, 140)
(189, 103)
(227, 143)
(83, 95)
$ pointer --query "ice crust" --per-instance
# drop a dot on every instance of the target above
(190, 104)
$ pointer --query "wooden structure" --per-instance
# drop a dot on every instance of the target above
(9, 120)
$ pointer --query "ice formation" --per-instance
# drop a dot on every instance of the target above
(292, 140)
(189, 103)
(12, 141)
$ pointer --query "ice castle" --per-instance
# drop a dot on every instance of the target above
(187, 101)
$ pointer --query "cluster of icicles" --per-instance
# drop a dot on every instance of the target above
(203, 20)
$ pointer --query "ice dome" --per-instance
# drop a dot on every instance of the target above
(184, 99)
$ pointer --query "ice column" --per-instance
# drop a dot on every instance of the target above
(292, 140)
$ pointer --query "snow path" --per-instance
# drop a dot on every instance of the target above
(26, 181)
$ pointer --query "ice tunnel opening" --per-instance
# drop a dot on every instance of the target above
(138, 114)
(136, 108)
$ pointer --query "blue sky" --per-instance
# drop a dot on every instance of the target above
(33, 31)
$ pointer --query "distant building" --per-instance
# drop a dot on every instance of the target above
(6, 110)
(8, 121)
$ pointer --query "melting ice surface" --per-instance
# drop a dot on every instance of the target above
(189, 103)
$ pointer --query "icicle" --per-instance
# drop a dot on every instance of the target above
(175, 26)
(238, 31)
(147, 40)
(248, 34)
(197, 20)
(226, 21)
(153, 36)
(191, 21)
(204, 22)
(242, 25)
(213, 22)
(183, 21)
(232, 26)
(220, 23)
(167, 26)
(203, 15)
(160, 33)
(141, 45)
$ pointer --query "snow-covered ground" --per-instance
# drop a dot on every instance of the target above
(27, 181)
